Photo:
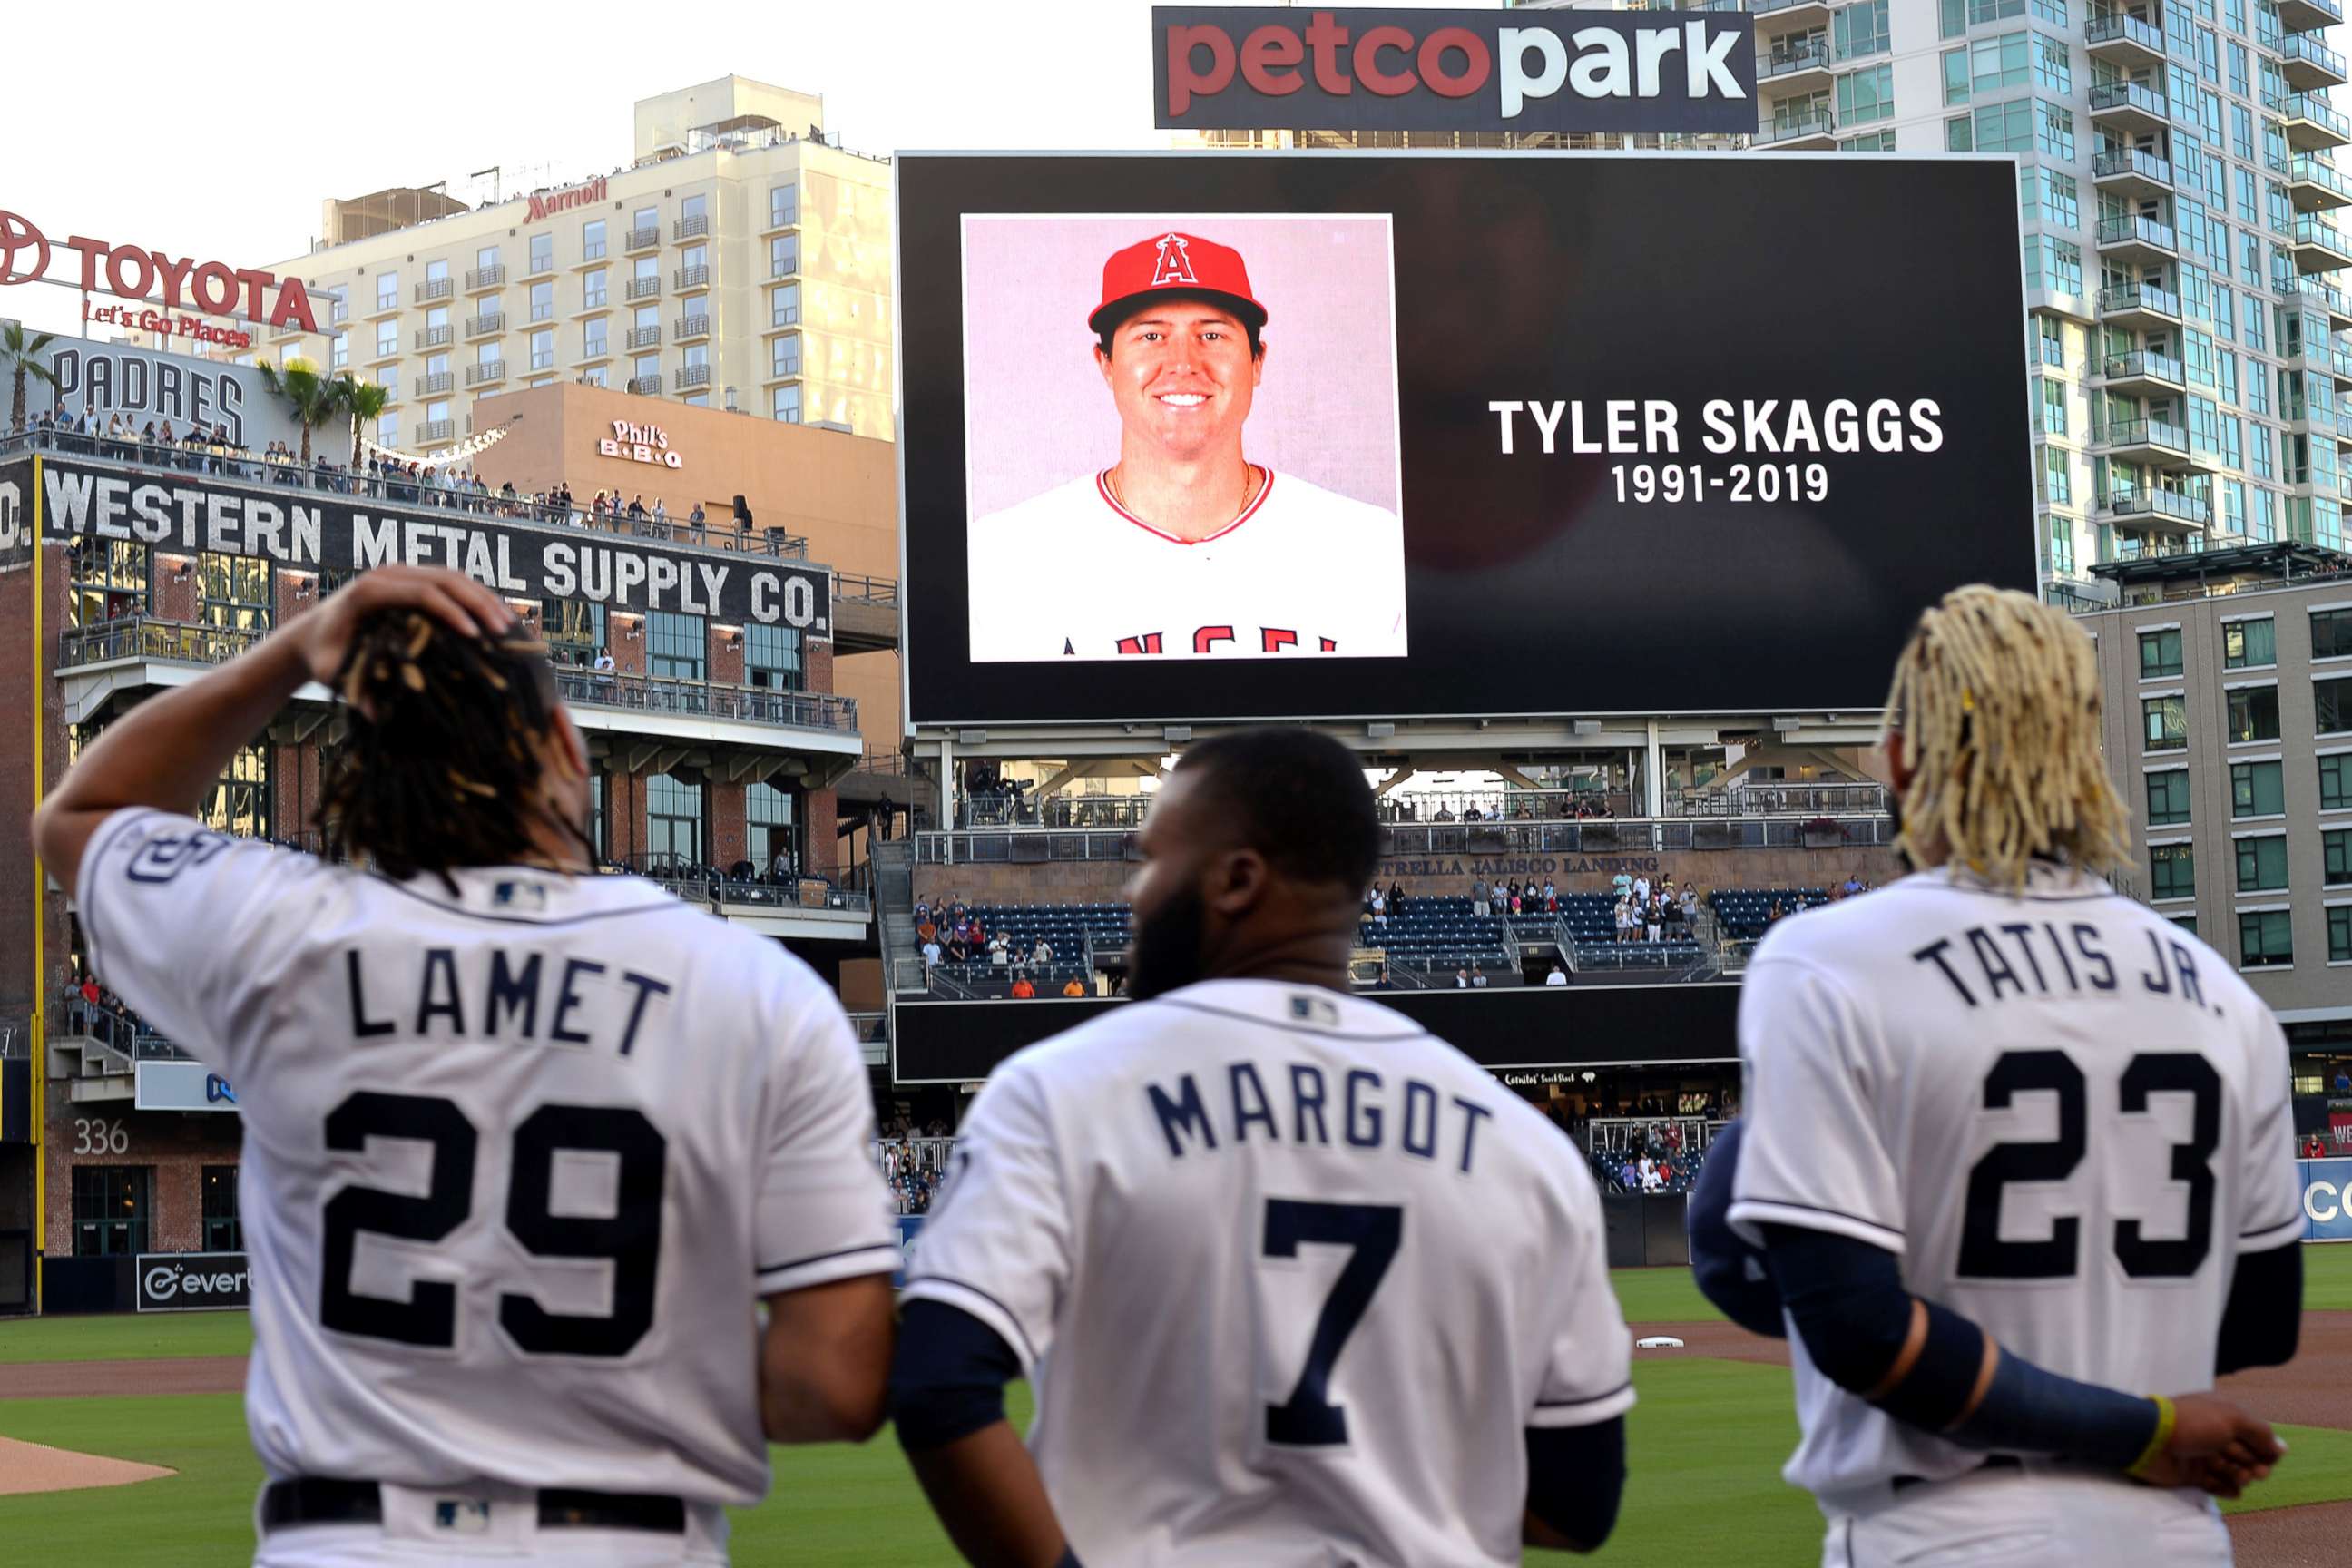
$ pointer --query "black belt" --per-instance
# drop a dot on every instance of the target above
(1997, 1462)
(313, 1499)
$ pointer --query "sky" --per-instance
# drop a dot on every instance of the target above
(223, 146)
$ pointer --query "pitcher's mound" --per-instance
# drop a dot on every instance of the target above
(30, 1467)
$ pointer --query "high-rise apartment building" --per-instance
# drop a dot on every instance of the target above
(739, 260)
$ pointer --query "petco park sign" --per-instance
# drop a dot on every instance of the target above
(545, 202)
(639, 444)
(192, 1281)
(1238, 69)
(175, 282)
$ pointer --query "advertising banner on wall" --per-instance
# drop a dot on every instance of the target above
(1382, 436)
(314, 531)
(145, 387)
(2327, 1199)
(16, 514)
(192, 1281)
(183, 1086)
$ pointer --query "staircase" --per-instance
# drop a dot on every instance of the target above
(894, 905)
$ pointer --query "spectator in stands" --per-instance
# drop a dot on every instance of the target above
(1853, 886)
(781, 868)
(1777, 915)
(1558, 975)
(1550, 898)
(1477, 978)
(2315, 1147)
(931, 952)
(89, 989)
(1690, 906)
(1445, 812)
(1642, 890)
(1042, 953)
(1396, 899)
(997, 956)
(1530, 898)
(1624, 917)
(1622, 884)
(2343, 1080)
(1022, 990)
(1074, 986)
(1461, 978)
(1479, 905)
(1378, 902)
(1512, 907)
(1654, 920)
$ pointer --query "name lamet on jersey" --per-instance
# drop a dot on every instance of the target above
(512, 995)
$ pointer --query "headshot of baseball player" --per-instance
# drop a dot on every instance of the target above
(1186, 545)
(2016, 1164)
(525, 1147)
(1110, 1214)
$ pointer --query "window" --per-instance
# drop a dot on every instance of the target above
(236, 592)
(600, 812)
(2172, 870)
(437, 319)
(112, 1206)
(239, 800)
(2334, 782)
(786, 405)
(2057, 137)
(646, 367)
(387, 429)
(2062, 546)
(2057, 477)
(2159, 654)
(338, 352)
(2253, 715)
(768, 827)
(2049, 332)
(2051, 11)
(677, 647)
(646, 318)
(2331, 706)
(784, 255)
(674, 819)
(783, 205)
(2331, 634)
(387, 339)
(2186, 922)
(698, 354)
(2265, 937)
(1995, 128)
(2249, 645)
(543, 252)
(1874, 142)
(2258, 789)
(2336, 846)
(109, 580)
(593, 339)
(573, 630)
(2262, 863)
(437, 271)
(2045, 195)
(1860, 30)
(694, 207)
(2164, 724)
(644, 219)
(387, 290)
(543, 349)
(644, 267)
(772, 658)
(592, 287)
(592, 239)
(695, 256)
(2050, 67)
(787, 355)
(542, 301)
(490, 352)
(597, 376)
(223, 1231)
(2339, 934)
(784, 305)
(2167, 797)
(2054, 264)
(2054, 406)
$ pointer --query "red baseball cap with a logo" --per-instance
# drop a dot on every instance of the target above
(1173, 264)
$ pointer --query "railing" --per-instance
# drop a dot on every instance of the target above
(484, 325)
(1781, 800)
(434, 289)
(642, 289)
(2145, 365)
(2139, 296)
(487, 371)
(1814, 53)
(2315, 111)
(2126, 504)
(645, 337)
(646, 239)
(437, 430)
(1637, 836)
(708, 699)
(691, 277)
(2146, 433)
(434, 383)
(1619, 1134)
(691, 375)
(2322, 235)
(239, 468)
(642, 387)
(690, 227)
(2327, 8)
(2306, 47)
(435, 337)
(118, 1029)
(693, 327)
(489, 277)
(2117, 162)
(862, 589)
(1796, 127)
(2133, 229)
(2129, 95)
(2118, 27)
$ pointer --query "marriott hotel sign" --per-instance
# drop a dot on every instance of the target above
(543, 203)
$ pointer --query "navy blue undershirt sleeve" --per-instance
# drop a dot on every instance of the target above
(2264, 1321)
(1575, 1477)
(948, 1378)
(1729, 1272)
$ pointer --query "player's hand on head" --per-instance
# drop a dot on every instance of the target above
(324, 634)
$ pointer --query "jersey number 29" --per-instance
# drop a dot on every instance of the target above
(1985, 1255)
(630, 1238)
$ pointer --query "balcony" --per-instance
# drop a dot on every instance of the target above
(646, 239)
(434, 289)
(2126, 42)
(2144, 374)
(1814, 129)
(710, 699)
(645, 337)
(2131, 174)
(485, 372)
(645, 288)
(2163, 511)
(435, 337)
(2152, 442)
(642, 387)
(2319, 295)
(485, 326)
(2307, 63)
(433, 430)
(690, 376)
(2142, 307)
(2125, 108)
(2304, 15)
(1798, 67)
(2318, 245)
(2313, 185)
(692, 327)
(690, 277)
(436, 384)
(690, 227)
(2137, 240)
(482, 279)
(1776, 16)
(2310, 122)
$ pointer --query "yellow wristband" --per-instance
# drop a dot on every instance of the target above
(2166, 1417)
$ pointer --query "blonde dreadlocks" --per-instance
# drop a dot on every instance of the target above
(1996, 711)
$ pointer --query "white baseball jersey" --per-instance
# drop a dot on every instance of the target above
(517, 1162)
(1073, 574)
(1289, 1277)
(2066, 1116)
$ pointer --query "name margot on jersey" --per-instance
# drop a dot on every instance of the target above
(2172, 967)
(1366, 1114)
(510, 993)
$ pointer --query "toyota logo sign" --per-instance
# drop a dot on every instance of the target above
(16, 234)
(133, 272)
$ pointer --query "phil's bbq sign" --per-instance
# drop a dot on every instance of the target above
(1264, 68)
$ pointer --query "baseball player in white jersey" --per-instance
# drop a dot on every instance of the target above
(2017, 1150)
(522, 1146)
(1184, 549)
(1295, 1282)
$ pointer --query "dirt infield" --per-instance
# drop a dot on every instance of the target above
(94, 1379)
(31, 1468)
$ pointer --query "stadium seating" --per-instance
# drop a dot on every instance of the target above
(1745, 912)
(1067, 927)
(1439, 930)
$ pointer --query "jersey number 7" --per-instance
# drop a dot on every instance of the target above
(1308, 1418)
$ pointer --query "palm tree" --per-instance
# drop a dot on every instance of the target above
(310, 397)
(21, 357)
(362, 400)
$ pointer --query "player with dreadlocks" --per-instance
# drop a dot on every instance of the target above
(523, 1144)
(2016, 1172)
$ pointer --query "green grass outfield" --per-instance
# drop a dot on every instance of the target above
(1707, 1440)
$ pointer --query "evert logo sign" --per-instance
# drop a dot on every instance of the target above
(1256, 67)
(131, 272)
(192, 1281)
(545, 202)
